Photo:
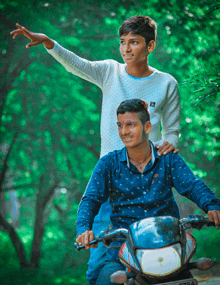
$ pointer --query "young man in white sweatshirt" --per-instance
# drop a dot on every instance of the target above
(118, 82)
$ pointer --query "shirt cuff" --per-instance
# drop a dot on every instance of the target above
(81, 230)
(213, 207)
(54, 49)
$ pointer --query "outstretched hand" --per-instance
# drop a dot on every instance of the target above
(85, 238)
(165, 148)
(36, 39)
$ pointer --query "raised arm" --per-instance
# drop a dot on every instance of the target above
(36, 39)
(93, 71)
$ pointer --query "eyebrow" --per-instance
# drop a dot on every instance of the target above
(136, 39)
(127, 122)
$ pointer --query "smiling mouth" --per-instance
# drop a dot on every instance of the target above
(127, 138)
(128, 55)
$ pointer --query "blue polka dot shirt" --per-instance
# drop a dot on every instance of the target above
(134, 195)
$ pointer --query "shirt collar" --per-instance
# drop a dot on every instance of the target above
(124, 155)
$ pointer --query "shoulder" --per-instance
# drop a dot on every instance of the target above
(111, 156)
(111, 66)
(165, 77)
(175, 160)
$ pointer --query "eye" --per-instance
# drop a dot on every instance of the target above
(122, 42)
(135, 42)
(119, 125)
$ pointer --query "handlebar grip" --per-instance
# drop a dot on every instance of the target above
(78, 246)
(210, 224)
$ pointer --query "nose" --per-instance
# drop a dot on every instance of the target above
(124, 130)
(127, 47)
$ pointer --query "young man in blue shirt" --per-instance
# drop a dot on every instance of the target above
(139, 183)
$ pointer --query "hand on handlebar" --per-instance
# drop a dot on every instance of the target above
(214, 216)
(36, 39)
(86, 238)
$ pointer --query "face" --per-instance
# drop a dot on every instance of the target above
(131, 130)
(133, 49)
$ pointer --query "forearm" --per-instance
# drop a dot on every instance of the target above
(171, 118)
(188, 185)
(88, 209)
(93, 71)
(202, 195)
(172, 137)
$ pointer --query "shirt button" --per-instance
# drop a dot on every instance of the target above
(145, 192)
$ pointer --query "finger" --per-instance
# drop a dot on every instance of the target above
(213, 217)
(216, 221)
(166, 149)
(33, 44)
(210, 216)
(19, 26)
(218, 213)
(157, 145)
(78, 239)
(176, 150)
(160, 148)
(91, 235)
(15, 33)
(23, 30)
(86, 239)
(90, 238)
(94, 245)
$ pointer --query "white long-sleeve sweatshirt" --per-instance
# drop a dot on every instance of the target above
(159, 90)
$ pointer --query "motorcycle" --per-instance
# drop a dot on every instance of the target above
(157, 251)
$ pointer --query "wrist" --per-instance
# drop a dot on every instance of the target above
(48, 43)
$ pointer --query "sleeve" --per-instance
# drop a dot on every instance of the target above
(97, 192)
(171, 116)
(93, 71)
(188, 185)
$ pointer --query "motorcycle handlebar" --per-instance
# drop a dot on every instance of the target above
(192, 221)
(196, 222)
(103, 236)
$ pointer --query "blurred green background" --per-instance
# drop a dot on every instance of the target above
(50, 119)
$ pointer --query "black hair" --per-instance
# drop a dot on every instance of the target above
(140, 25)
(135, 106)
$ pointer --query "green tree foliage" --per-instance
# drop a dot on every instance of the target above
(50, 119)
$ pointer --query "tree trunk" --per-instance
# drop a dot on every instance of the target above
(39, 229)
(39, 225)
(16, 242)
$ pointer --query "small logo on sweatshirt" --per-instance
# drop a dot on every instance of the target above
(152, 104)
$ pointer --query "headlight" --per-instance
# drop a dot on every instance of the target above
(160, 262)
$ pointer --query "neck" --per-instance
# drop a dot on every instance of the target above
(140, 152)
(139, 70)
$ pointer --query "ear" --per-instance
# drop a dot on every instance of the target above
(147, 127)
(151, 46)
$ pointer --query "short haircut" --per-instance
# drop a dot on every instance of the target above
(138, 106)
(140, 25)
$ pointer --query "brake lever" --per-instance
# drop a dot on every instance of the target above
(78, 246)
(104, 236)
